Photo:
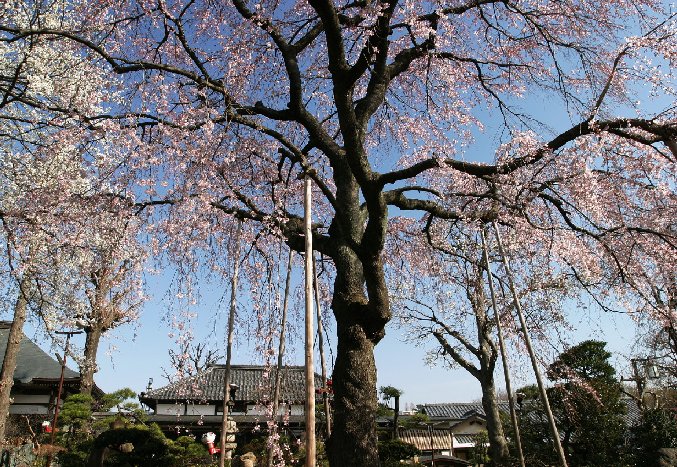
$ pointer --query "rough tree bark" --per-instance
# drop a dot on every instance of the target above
(89, 367)
(360, 326)
(11, 353)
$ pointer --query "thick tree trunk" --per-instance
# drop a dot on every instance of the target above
(88, 368)
(9, 360)
(488, 355)
(361, 308)
(498, 446)
(353, 442)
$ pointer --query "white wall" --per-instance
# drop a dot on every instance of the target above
(170, 409)
(201, 409)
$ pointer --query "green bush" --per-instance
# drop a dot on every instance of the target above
(392, 451)
(150, 446)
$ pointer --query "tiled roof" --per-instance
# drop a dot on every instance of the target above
(457, 410)
(255, 383)
(32, 362)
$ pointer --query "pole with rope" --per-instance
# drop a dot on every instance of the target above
(280, 353)
(229, 345)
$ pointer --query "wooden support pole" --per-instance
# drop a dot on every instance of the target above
(532, 356)
(310, 372)
(229, 345)
(323, 361)
(280, 354)
(504, 356)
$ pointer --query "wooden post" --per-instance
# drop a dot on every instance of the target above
(310, 373)
(229, 345)
(532, 356)
(280, 353)
(323, 362)
(504, 356)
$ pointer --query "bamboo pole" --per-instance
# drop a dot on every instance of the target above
(504, 356)
(323, 362)
(532, 356)
(229, 345)
(280, 353)
(309, 371)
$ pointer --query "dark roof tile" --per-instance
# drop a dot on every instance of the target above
(32, 362)
(457, 410)
(254, 383)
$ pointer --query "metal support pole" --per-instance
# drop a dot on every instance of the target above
(532, 356)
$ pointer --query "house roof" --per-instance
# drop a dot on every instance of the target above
(255, 383)
(443, 460)
(441, 439)
(458, 410)
(32, 363)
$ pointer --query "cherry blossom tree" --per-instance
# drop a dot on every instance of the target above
(56, 174)
(103, 284)
(378, 103)
(456, 313)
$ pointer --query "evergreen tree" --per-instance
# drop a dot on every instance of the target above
(586, 402)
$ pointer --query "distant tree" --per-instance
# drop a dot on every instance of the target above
(479, 454)
(387, 393)
(415, 420)
(191, 358)
(460, 315)
(586, 402)
(533, 425)
(393, 451)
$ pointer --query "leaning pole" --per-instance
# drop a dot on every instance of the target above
(310, 373)
(504, 355)
(532, 355)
